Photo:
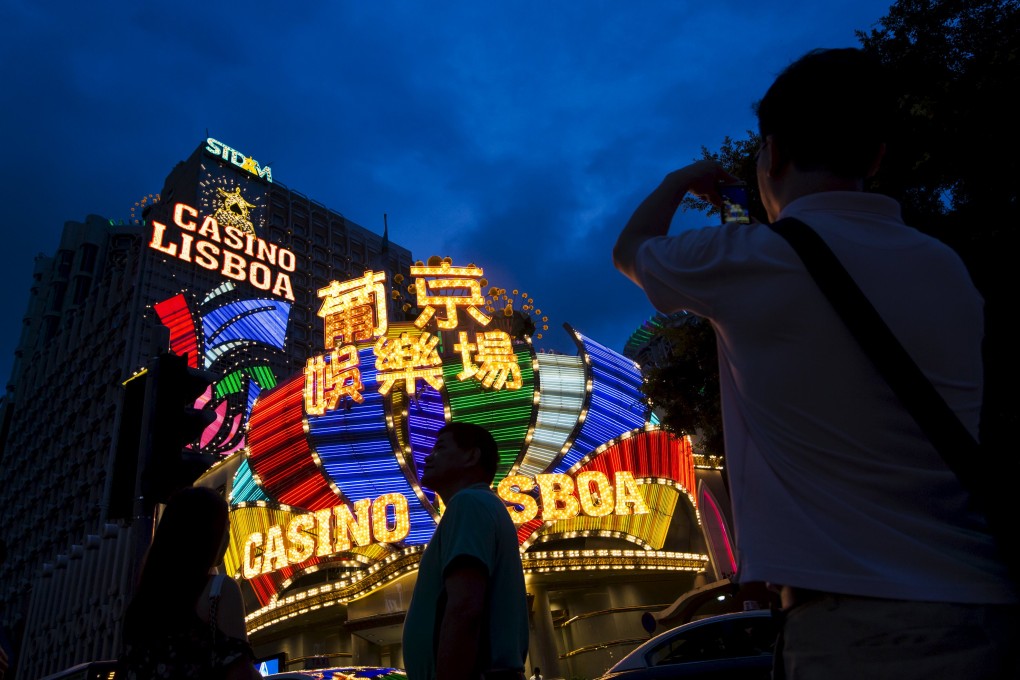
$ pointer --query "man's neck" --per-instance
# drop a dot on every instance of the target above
(449, 492)
(797, 184)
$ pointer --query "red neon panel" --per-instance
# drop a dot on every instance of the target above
(656, 454)
(278, 448)
(175, 315)
(649, 454)
(719, 542)
(266, 586)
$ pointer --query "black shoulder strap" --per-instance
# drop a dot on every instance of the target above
(214, 605)
(937, 420)
(988, 487)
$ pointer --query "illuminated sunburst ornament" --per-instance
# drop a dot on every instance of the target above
(217, 185)
(514, 310)
(234, 210)
(518, 303)
(136, 209)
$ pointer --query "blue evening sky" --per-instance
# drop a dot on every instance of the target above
(516, 135)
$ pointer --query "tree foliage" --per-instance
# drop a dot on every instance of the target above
(684, 386)
(738, 157)
(955, 159)
(952, 162)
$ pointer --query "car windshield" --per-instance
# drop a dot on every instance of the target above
(717, 640)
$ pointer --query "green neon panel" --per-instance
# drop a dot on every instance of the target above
(263, 376)
(506, 413)
(229, 384)
(232, 382)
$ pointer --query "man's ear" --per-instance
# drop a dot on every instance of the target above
(473, 457)
(777, 157)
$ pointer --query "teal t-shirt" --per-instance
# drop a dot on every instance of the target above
(475, 524)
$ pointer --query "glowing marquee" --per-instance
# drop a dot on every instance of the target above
(354, 311)
(237, 254)
(359, 420)
(218, 149)
(329, 531)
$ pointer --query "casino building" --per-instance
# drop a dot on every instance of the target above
(338, 358)
(222, 244)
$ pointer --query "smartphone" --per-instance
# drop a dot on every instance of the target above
(735, 204)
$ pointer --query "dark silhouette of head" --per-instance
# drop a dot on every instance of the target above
(189, 540)
(468, 436)
(829, 110)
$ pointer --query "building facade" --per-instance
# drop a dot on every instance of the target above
(222, 240)
(338, 359)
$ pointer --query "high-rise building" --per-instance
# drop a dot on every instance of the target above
(223, 244)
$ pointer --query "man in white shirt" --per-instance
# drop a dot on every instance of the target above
(839, 500)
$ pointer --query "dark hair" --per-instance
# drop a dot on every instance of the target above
(829, 110)
(468, 436)
(189, 540)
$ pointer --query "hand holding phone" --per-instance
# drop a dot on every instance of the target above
(735, 203)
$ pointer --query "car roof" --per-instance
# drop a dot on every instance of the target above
(636, 658)
(341, 673)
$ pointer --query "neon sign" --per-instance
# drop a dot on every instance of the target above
(237, 254)
(592, 496)
(218, 149)
(579, 452)
(325, 532)
(386, 519)
(354, 311)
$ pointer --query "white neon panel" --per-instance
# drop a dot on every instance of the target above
(561, 382)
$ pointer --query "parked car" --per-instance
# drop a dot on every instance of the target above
(342, 673)
(89, 670)
(738, 646)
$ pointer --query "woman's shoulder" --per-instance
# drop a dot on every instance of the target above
(204, 601)
(230, 606)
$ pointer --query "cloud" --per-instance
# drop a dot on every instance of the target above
(518, 135)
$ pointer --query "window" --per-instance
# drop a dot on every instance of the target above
(81, 289)
(88, 257)
(57, 292)
(64, 259)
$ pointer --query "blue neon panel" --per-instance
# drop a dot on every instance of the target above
(263, 321)
(244, 487)
(617, 404)
(355, 449)
(425, 415)
(253, 393)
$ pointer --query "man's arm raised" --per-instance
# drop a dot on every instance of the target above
(653, 217)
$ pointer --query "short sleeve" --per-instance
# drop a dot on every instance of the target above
(691, 270)
(469, 530)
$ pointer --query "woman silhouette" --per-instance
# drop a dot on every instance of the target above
(184, 620)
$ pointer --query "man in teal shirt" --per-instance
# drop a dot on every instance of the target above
(469, 614)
